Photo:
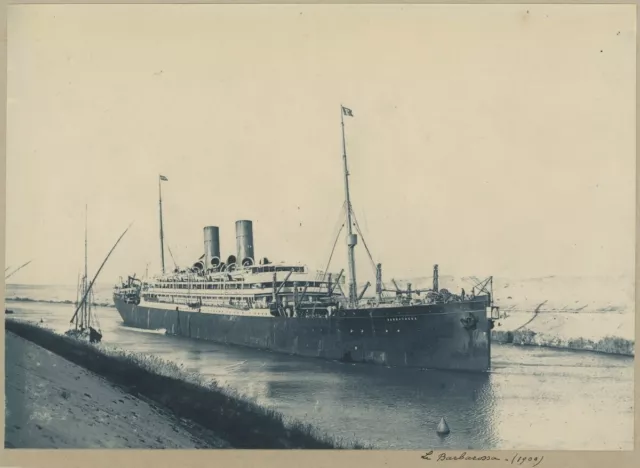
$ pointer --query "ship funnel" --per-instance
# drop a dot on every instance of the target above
(199, 265)
(211, 246)
(244, 243)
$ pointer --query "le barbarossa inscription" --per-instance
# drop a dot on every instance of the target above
(514, 460)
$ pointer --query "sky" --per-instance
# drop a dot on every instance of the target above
(492, 140)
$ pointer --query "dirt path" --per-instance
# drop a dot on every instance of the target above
(52, 403)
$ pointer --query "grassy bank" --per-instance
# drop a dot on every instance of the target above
(243, 423)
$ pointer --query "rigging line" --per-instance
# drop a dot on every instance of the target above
(373, 263)
(171, 253)
(363, 239)
(332, 251)
(339, 226)
(344, 296)
(364, 242)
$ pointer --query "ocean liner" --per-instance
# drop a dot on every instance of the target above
(290, 308)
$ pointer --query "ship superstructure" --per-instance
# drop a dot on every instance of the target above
(216, 287)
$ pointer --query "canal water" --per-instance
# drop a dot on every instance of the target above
(534, 398)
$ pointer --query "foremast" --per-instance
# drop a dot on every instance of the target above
(352, 239)
(160, 179)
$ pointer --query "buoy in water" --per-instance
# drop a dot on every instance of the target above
(443, 428)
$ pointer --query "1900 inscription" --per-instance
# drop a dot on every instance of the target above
(515, 460)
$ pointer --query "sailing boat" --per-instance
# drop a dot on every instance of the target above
(86, 325)
(85, 322)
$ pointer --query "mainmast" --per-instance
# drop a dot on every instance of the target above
(161, 228)
(352, 239)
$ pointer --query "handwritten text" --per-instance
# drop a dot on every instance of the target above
(514, 460)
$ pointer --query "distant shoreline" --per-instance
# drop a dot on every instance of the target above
(55, 301)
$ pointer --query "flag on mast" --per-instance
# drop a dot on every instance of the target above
(347, 112)
(163, 178)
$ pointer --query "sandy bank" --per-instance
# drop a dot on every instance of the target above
(240, 422)
(53, 403)
(611, 333)
(590, 313)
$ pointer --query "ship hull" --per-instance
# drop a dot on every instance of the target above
(454, 336)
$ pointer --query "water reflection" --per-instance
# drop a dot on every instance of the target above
(195, 355)
(348, 400)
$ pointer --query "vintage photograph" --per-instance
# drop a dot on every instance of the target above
(398, 227)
